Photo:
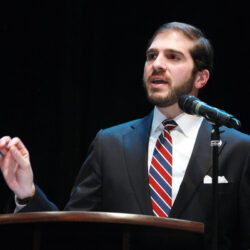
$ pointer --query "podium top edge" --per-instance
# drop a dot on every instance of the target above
(102, 217)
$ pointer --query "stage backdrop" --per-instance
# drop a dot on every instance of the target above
(70, 68)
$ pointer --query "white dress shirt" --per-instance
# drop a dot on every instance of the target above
(183, 139)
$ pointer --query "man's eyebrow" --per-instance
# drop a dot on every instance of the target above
(175, 51)
(166, 50)
(151, 50)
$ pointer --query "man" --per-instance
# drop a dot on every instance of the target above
(118, 172)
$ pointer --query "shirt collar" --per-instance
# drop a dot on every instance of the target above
(185, 122)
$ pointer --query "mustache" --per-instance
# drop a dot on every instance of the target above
(160, 75)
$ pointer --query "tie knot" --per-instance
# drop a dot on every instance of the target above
(169, 124)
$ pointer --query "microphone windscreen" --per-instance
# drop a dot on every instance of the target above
(186, 103)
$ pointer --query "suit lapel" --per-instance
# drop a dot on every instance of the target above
(198, 166)
(136, 151)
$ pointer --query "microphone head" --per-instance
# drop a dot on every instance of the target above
(194, 106)
(186, 103)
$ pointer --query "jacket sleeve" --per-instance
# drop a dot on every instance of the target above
(39, 203)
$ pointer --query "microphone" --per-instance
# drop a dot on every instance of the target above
(193, 106)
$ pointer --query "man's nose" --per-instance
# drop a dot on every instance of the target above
(160, 64)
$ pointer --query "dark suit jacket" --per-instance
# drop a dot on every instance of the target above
(114, 178)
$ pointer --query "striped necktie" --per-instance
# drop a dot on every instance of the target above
(160, 172)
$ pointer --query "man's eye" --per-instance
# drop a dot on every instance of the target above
(173, 57)
(151, 56)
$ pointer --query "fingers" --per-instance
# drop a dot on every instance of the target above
(4, 141)
(16, 147)
(21, 159)
(19, 151)
(17, 142)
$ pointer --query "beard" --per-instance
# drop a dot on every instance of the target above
(173, 94)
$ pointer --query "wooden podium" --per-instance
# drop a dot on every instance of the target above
(97, 230)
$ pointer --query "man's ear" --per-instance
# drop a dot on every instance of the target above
(201, 78)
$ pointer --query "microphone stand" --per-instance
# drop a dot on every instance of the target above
(215, 144)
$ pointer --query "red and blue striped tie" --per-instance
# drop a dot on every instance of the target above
(160, 172)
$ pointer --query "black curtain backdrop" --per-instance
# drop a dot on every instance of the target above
(70, 68)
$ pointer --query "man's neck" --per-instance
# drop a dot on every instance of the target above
(170, 112)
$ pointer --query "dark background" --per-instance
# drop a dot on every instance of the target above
(70, 68)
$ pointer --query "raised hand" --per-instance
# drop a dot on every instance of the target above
(16, 168)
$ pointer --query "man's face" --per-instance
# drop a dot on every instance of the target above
(168, 70)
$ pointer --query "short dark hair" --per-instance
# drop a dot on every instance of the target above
(202, 51)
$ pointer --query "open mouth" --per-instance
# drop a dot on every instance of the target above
(158, 81)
